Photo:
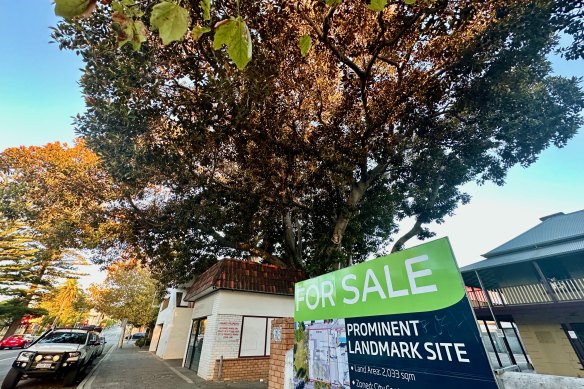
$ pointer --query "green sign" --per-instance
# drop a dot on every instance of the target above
(414, 280)
(402, 321)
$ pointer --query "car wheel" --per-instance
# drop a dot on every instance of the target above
(70, 377)
(11, 379)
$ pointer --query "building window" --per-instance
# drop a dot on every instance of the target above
(164, 304)
(255, 336)
(179, 302)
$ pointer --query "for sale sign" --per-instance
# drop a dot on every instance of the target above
(402, 321)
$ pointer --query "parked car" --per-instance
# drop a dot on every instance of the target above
(134, 337)
(16, 341)
(63, 351)
(101, 346)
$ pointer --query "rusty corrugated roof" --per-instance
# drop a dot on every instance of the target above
(246, 276)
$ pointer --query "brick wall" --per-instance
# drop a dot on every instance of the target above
(278, 349)
(242, 369)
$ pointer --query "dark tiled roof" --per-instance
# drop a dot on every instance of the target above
(246, 276)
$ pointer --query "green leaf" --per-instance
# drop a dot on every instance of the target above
(171, 20)
(234, 34)
(305, 44)
(71, 8)
(333, 2)
(198, 31)
(129, 31)
(377, 5)
(206, 6)
(139, 37)
(410, 2)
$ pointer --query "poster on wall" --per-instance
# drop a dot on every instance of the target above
(402, 321)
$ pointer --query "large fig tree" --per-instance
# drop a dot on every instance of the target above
(347, 117)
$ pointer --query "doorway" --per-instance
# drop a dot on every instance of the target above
(196, 343)
(575, 333)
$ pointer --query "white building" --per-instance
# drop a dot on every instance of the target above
(234, 304)
(171, 332)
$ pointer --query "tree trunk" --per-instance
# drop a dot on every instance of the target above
(13, 327)
(121, 341)
(355, 196)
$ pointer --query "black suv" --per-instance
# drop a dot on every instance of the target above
(62, 351)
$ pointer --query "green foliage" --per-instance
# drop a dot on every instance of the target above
(313, 164)
(206, 7)
(71, 8)
(333, 2)
(377, 5)
(129, 31)
(17, 308)
(143, 342)
(198, 31)
(234, 34)
(17, 258)
(51, 201)
(305, 44)
(126, 293)
(568, 18)
(171, 20)
(65, 305)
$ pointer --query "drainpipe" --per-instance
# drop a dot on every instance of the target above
(490, 305)
(220, 373)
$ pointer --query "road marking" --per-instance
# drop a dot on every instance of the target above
(178, 373)
(7, 359)
(87, 381)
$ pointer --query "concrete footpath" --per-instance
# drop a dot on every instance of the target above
(132, 368)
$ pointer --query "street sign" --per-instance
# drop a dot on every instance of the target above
(402, 321)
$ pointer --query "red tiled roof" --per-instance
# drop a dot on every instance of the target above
(247, 276)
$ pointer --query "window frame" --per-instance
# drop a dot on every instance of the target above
(265, 355)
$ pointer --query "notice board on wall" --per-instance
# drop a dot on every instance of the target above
(402, 321)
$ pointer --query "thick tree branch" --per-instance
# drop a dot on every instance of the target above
(415, 230)
(243, 246)
(322, 36)
(355, 196)
(293, 238)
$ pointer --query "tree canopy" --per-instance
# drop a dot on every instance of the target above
(349, 118)
(53, 202)
(128, 292)
(66, 305)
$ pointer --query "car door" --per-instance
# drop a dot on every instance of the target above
(93, 344)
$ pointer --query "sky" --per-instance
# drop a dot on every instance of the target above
(39, 95)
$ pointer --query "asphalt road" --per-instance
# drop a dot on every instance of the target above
(8, 356)
(6, 359)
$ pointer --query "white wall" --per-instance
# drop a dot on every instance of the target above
(255, 304)
(207, 306)
(224, 310)
(204, 306)
(170, 343)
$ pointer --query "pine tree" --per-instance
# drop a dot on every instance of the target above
(18, 270)
(17, 258)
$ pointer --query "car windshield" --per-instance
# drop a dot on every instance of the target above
(65, 337)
